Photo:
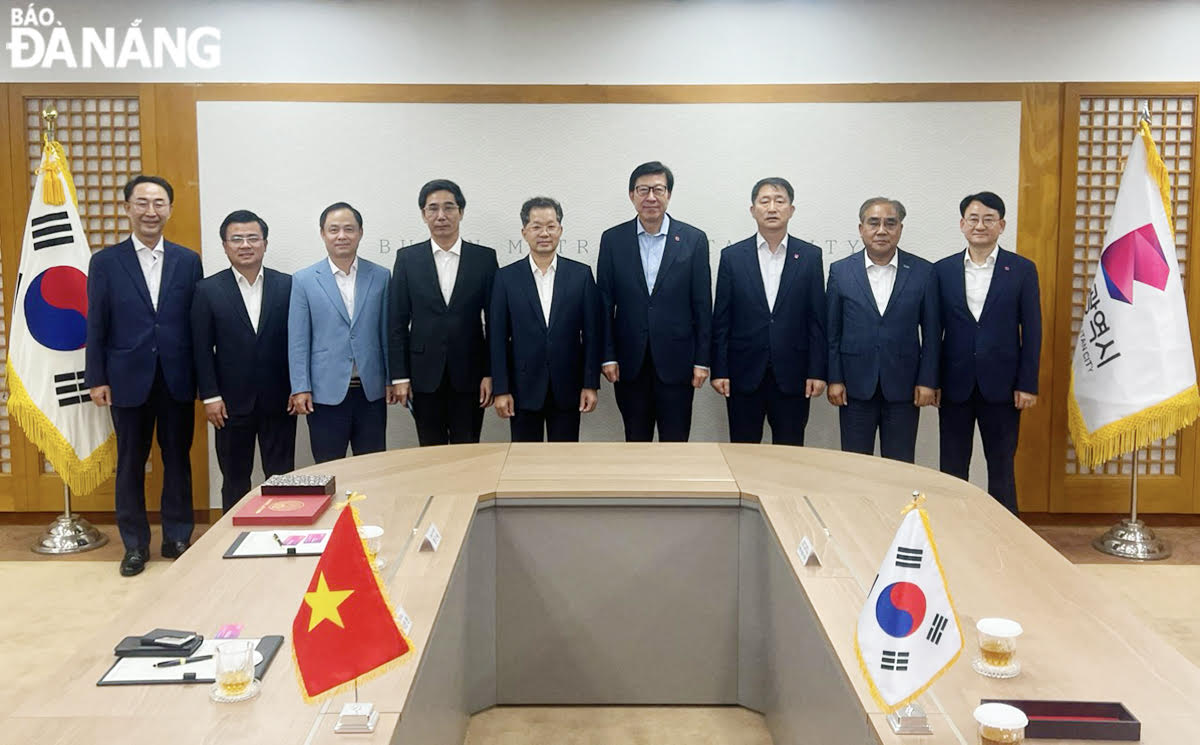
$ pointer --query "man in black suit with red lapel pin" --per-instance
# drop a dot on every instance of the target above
(992, 336)
(654, 276)
(769, 349)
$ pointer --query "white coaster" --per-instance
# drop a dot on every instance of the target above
(988, 671)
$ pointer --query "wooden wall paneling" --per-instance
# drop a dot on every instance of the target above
(171, 122)
(655, 94)
(1167, 475)
(1037, 239)
(12, 482)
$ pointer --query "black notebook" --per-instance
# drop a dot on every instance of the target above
(160, 643)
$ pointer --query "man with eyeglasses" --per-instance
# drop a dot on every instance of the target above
(884, 337)
(440, 294)
(992, 335)
(139, 363)
(770, 355)
(239, 335)
(337, 343)
(654, 276)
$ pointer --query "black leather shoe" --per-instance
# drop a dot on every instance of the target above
(134, 561)
(174, 549)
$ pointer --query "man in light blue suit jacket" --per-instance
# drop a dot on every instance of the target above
(337, 343)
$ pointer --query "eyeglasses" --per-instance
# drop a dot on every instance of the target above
(432, 210)
(874, 223)
(145, 205)
(246, 240)
(987, 222)
(658, 189)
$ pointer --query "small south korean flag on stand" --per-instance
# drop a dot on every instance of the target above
(908, 633)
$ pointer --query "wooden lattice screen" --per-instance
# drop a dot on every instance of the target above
(1106, 128)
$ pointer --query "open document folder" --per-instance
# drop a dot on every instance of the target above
(143, 671)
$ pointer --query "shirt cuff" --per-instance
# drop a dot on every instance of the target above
(702, 367)
(401, 380)
(610, 362)
(212, 400)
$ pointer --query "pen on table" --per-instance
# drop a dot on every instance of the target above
(182, 661)
(276, 537)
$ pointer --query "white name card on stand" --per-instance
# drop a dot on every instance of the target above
(432, 539)
(404, 621)
(808, 554)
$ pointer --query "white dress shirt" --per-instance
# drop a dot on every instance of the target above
(252, 293)
(345, 284)
(882, 279)
(151, 260)
(978, 280)
(545, 285)
(446, 262)
(770, 263)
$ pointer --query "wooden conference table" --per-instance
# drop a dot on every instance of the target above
(636, 574)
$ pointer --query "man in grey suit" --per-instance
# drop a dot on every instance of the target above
(337, 343)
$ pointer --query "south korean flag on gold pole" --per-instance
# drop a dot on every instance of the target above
(908, 633)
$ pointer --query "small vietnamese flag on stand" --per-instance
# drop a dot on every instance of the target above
(345, 629)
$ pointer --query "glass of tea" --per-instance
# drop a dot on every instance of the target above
(372, 536)
(997, 648)
(1000, 724)
(234, 662)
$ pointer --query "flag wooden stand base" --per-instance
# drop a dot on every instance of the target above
(910, 720)
(1131, 538)
(69, 534)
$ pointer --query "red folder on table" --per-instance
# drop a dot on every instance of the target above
(281, 509)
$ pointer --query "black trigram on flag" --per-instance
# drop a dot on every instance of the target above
(936, 628)
(51, 229)
(909, 558)
(895, 661)
(69, 388)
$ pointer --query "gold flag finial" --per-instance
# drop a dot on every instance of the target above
(918, 501)
(50, 119)
(351, 496)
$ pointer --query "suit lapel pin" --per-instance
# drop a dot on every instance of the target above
(676, 239)
(1006, 269)
(795, 256)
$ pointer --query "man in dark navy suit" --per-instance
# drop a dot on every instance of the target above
(239, 337)
(654, 276)
(546, 334)
(992, 336)
(438, 356)
(139, 362)
(770, 355)
(884, 336)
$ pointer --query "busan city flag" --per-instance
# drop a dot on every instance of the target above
(49, 331)
(1133, 379)
(345, 629)
(908, 633)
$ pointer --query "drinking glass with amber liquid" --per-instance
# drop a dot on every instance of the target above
(1000, 724)
(997, 648)
(234, 662)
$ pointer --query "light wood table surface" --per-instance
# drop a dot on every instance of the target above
(1079, 643)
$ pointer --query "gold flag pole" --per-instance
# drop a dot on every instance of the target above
(69, 533)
